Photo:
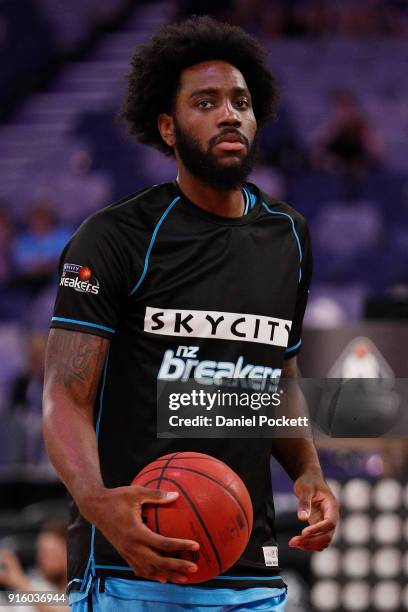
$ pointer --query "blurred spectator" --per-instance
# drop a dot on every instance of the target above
(272, 24)
(375, 17)
(36, 250)
(12, 300)
(395, 16)
(348, 143)
(50, 572)
(317, 18)
(79, 190)
(26, 397)
(349, 135)
(34, 477)
(320, 18)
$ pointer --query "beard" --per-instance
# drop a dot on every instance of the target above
(204, 165)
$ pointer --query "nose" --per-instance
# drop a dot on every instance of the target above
(229, 116)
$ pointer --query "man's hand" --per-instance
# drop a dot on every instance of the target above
(319, 507)
(117, 514)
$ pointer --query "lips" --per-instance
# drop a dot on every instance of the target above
(230, 142)
(230, 138)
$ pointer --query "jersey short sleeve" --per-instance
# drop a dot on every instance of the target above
(295, 336)
(93, 280)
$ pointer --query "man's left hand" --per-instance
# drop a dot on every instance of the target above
(319, 507)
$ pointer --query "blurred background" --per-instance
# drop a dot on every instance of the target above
(338, 153)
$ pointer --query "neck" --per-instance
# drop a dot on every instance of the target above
(223, 203)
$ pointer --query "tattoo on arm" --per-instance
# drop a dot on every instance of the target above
(75, 361)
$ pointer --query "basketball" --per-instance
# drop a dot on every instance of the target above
(213, 508)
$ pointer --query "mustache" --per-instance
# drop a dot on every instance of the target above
(213, 141)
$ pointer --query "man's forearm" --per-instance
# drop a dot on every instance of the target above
(296, 456)
(73, 368)
(71, 444)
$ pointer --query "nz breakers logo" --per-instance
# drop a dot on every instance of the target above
(184, 362)
(79, 278)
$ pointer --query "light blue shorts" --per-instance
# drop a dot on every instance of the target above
(144, 596)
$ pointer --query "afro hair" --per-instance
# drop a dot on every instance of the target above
(157, 65)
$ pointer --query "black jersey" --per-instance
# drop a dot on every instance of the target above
(156, 257)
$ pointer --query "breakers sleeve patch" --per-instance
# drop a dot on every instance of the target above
(92, 282)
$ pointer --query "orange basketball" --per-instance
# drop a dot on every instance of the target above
(213, 508)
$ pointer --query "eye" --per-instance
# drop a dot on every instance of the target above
(204, 103)
(242, 103)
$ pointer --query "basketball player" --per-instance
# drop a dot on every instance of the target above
(137, 280)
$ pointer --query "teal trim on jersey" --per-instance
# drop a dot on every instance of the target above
(251, 196)
(86, 574)
(293, 348)
(246, 201)
(149, 250)
(63, 320)
(274, 212)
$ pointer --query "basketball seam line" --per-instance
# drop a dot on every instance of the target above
(156, 509)
(197, 515)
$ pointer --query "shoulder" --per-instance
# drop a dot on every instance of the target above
(136, 211)
(273, 206)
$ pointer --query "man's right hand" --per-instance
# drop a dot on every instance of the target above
(117, 513)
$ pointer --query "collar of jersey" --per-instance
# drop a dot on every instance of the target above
(218, 219)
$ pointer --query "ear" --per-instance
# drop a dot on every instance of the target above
(166, 128)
